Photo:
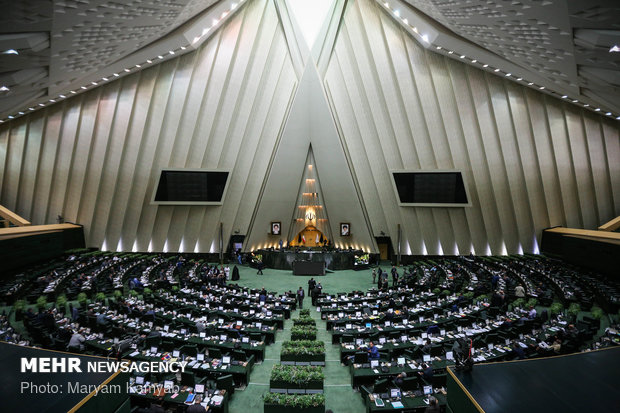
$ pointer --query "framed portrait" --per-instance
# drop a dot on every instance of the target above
(345, 229)
(276, 228)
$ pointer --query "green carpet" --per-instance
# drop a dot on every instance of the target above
(339, 394)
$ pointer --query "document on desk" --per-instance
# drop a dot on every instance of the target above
(397, 405)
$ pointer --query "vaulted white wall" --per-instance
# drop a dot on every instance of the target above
(95, 158)
(530, 161)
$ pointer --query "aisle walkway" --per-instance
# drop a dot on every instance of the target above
(339, 394)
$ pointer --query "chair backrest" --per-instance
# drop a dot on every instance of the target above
(225, 383)
(381, 386)
(188, 379)
(189, 350)
(361, 357)
(410, 383)
(364, 392)
(215, 353)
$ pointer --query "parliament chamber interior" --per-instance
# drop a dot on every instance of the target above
(309, 206)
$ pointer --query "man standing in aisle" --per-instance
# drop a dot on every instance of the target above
(311, 285)
(300, 297)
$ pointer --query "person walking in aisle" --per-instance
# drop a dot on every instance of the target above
(300, 297)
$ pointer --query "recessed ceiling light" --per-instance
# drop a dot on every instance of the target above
(62, 96)
(425, 38)
(508, 74)
(541, 88)
(127, 70)
(564, 97)
(160, 57)
(520, 79)
(10, 51)
(11, 116)
(105, 79)
(21, 113)
(41, 104)
(615, 48)
(462, 56)
(485, 65)
(530, 84)
(608, 114)
(397, 13)
(138, 66)
(183, 47)
(586, 105)
(597, 109)
(149, 61)
(115, 74)
(450, 52)
(4, 89)
(93, 83)
(405, 21)
(496, 70)
(438, 48)
(575, 100)
(474, 61)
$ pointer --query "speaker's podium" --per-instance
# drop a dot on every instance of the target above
(305, 267)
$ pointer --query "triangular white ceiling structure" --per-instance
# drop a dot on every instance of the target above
(310, 123)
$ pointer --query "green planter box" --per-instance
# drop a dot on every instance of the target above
(302, 357)
(276, 408)
(315, 385)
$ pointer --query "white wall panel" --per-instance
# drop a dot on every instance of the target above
(530, 161)
(95, 158)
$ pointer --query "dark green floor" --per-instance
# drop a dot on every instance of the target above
(339, 395)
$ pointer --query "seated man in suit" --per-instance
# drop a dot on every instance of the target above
(427, 372)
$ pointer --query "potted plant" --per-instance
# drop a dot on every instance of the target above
(147, 291)
(303, 333)
(303, 350)
(531, 302)
(61, 303)
(481, 298)
(556, 308)
(82, 298)
(518, 303)
(19, 307)
(304, 313)
(597, 312)
(573, 310)
(133, 293)
(117, 294)
(42, 302)
(285, 403)
(100, 297)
